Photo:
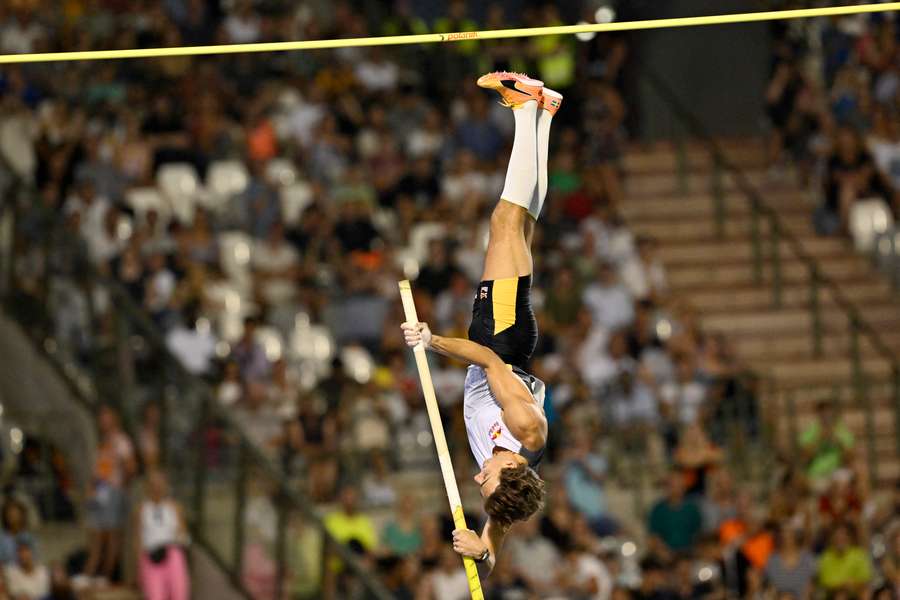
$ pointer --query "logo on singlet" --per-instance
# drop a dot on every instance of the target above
(495, 431)
(484, 293)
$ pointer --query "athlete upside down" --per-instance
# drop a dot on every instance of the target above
(502, 403)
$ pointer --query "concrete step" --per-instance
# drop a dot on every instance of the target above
(704, 228)
(793, 271)
(815, 371)
(663, 156)
(787, 322)
(656, 182)
(702, 204)
(740, 249)
(799, 346)
(714, 300)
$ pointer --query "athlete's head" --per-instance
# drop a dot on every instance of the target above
(512, 491)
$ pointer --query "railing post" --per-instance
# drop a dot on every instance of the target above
(776, 261)
(200, 466)
(815, 311)
(681, 159)
(860, 387)
(896, 397)
(281, 541)
(718, 192)
(793, 430)
(240, 506)
(756, 241)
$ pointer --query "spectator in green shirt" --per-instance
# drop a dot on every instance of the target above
(675, 522)
(844, 566)
(827, 443)
(402, 535)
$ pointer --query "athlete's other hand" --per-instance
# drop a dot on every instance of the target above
(468, 543)
(415, 333)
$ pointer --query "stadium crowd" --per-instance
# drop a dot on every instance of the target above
(398, 159)
(833, 101)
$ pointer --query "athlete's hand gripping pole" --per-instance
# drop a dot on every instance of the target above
(440, 442)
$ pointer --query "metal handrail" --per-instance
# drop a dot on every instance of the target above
(779, 232)
(699, 130)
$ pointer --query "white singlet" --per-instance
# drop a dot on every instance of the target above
(484, 418)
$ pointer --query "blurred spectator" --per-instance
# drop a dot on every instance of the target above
(249, 354)
(377, 489)
(438, 271)
(27, 579)
(114, 466)
(348, 523)
(446, 581)
(402, 535)
(675, 521)
(844, 565)
(275, 269)
(528, 548)
(827, 443)
(582, 575)
(15, 531)
(683, 400)
(696, 456)
(584, 477)
(644, 274)
(609, 300)
(791, 569)
(192, 341)
(161, 533)
(852, 176)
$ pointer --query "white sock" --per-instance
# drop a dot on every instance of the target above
(544, 119)
(521, 175)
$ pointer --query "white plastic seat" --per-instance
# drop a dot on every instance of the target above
(358, 363)
(235, 253)
(227, 178)
(179, 185)
(868, 218)
(144, 199)
(270, 339)
(294, 200)
(281, 172)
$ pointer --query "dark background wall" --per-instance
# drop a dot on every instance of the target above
(719, 71)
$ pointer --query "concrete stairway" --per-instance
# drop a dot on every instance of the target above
(715, 275)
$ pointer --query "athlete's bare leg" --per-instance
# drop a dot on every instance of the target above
(514, 217)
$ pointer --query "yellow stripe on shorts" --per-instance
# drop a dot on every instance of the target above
(503, 298)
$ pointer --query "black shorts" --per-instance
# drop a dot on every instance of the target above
(502, 319)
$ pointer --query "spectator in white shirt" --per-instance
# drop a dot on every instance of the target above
(192, 342)
(160, 285)
(376, 74)
(683, 399)
(105, 244)
(243, 26)
(582, 575)
(275, 265)
(611, 304)
(26, 579)
(22, 34)
(644, 274)
(91, 206)
(447, 581)
(528, 548)
(884, 145)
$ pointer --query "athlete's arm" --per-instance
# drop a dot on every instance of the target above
(458, 348)
(521, 414)
(468, 543)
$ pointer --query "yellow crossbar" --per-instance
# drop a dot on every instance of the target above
(431, 38)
